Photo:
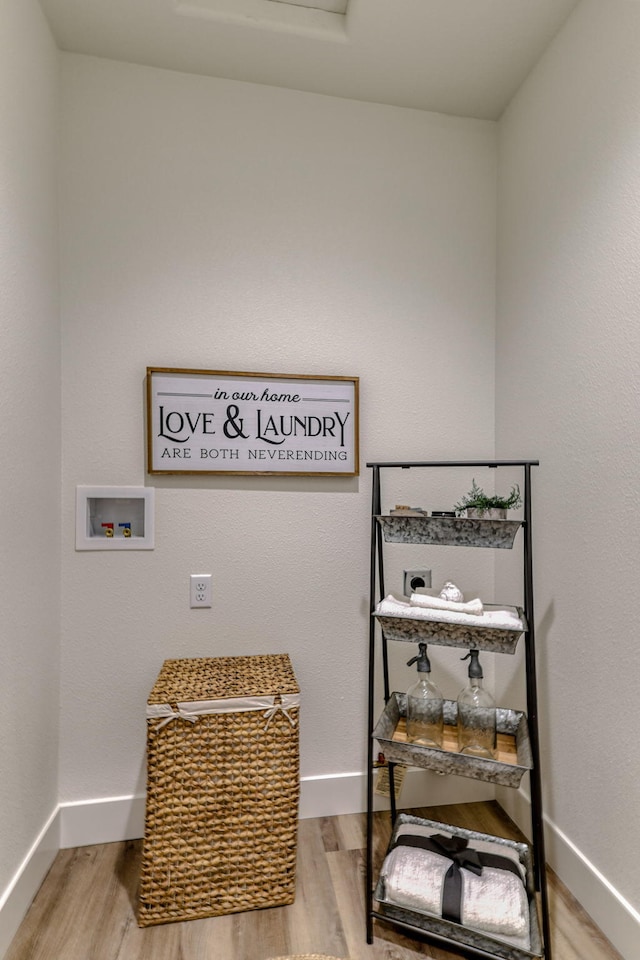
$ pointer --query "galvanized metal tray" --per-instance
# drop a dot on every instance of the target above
(450, 531)
(510, 722)
(495, 639)
(454, 931)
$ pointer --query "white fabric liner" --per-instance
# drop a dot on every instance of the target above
(192, 709)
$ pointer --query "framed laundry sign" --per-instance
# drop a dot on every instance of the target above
(215, 421)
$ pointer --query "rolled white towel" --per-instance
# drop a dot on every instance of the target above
(472, 607)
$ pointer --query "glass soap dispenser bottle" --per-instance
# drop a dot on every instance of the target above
(424, 705)
(476, 714)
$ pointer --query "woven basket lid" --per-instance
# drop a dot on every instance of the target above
(202, 678)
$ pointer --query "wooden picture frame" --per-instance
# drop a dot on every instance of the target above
(223, 422)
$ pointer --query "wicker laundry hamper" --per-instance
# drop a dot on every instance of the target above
(223, 788)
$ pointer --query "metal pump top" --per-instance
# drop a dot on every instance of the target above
(475, 670)
(421, 659)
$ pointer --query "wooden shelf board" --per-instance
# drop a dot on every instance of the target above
(506, 750)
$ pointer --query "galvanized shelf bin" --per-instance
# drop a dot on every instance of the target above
(223, 788)
(414, 630)
(450, 531)
(513, 723)
(464, 935)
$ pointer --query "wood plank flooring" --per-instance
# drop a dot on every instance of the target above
(85, 909)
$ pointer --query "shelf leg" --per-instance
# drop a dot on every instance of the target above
(537, 822)
(375, 558)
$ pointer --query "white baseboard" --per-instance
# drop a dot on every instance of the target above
(17, 897)
(122, 818)
(331, 795)
(615, 916)
(101, 821)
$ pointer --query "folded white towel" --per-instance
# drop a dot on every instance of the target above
(500, 618)
(494, 903)
(472, 607)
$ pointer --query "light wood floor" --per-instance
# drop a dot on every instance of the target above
(85, 909)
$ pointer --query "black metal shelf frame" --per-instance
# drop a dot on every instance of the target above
(377, 591)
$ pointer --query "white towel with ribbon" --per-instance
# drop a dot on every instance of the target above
(192, 709)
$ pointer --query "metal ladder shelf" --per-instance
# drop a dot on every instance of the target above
(377, 592)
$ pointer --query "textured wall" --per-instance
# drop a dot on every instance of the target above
(236, 227)
(568, 347)
(29, 432)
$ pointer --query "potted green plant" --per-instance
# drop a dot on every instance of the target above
(477, 505)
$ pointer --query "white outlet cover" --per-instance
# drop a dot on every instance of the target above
(200, 590)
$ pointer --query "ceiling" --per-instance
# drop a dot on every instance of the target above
(460, 57)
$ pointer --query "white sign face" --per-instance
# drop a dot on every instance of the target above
(209, 421)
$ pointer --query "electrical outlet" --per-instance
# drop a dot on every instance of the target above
(200, 589)
(415, 581)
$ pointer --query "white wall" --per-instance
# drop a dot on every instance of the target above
(568, 346)
(217, 224)
(29, 435)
